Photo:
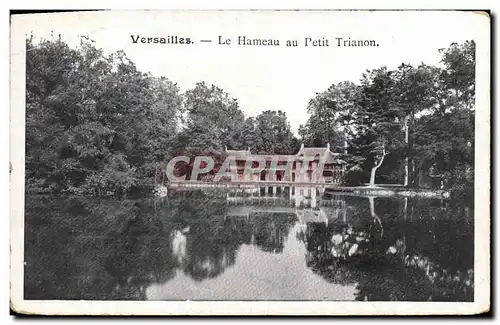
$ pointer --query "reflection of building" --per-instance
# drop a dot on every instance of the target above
(291, 168)
(294, 200)
(269, 220)
(209, 245)
(307, 206)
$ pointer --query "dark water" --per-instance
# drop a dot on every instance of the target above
(204, 245)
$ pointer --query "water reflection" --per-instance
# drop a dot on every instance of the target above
(286, 244)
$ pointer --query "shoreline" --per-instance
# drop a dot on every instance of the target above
(375, 191)
(380, 190)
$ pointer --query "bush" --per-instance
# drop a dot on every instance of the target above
(354, 176)
(108, 182)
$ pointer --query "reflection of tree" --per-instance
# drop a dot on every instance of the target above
(428, 259)
(92, 249)
(139, 254)
(390, 282)
(331, 269)
(208, 260)
(213, 240)
(447, 285)
(204, 240)
(101, 249)
(271, 231)
(376, 219)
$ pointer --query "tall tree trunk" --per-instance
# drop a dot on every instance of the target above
(374, 169)
(345, 139)
(406, 158)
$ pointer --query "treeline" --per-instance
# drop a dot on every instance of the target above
(411, 125)
(96, 124)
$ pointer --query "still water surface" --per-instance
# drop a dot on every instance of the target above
(215, 245)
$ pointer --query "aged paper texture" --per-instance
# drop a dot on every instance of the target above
(265, 162)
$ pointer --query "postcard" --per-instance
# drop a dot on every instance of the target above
(250, 162)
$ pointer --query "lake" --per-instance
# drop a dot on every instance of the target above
(212, 244)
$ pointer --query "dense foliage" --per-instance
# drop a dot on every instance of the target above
(94, 123)
(414, 123)
(97, 125)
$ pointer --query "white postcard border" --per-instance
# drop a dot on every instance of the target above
(59, 307)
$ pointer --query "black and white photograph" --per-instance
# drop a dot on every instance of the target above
(250, 162)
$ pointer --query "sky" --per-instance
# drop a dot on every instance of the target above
(266, 77)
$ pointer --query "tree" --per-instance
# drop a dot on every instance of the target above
(249, 136)
(377, 124)
(444, 137)
(95, 124)
(459, 62)
(405, 123)
(414, 94)
(331, 116)
(214, 120)
(273, 129)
